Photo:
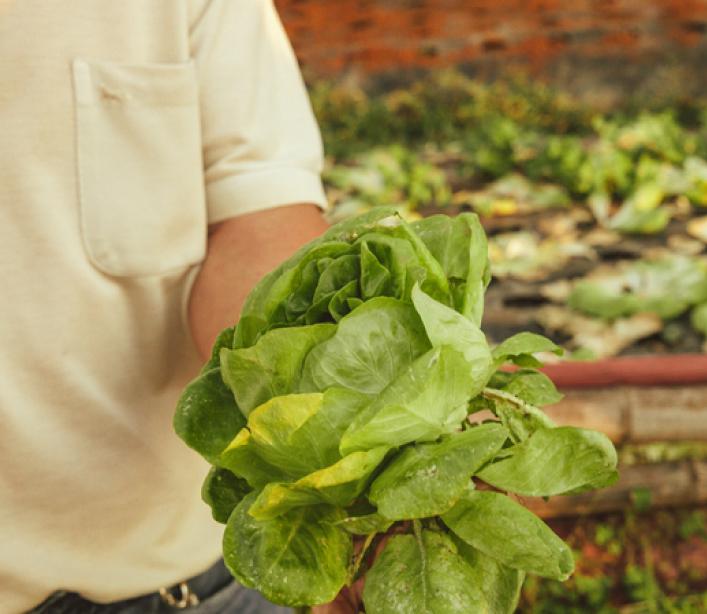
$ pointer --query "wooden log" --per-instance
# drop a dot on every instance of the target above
(680, 483)
(602, 410)
(637, 414)
(668, 414)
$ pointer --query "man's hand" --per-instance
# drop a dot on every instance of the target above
(241, 251)
(348, 601)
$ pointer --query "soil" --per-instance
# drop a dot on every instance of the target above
(653, 557)
(512, 303)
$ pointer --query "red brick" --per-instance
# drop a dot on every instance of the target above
(386, 35)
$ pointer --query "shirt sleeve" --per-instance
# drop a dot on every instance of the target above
(261, 143)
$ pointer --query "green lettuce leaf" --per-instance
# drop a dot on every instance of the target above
(299, 558)
(340, 303)
(500, 584)
(300, 433)
(273, 424)
(371, 347)
(273, 292)
(530, 385)
(422, 574)
(376, 279)
(268, 303)
(222, 491)
(479, 274)
(299, 281)
(207, 418)
(365, 525)
(434, 281)
(459, 245)
(520, 418)
(427, 479)
(553, 462)
(511, 534)
(519, 346)
(444, 326)
(337, 485)
(241, 458)
(448, 240)
(272, 366)
(224, 340)
(404, 263)
(352, 229)
(340, 272)
(426, 400)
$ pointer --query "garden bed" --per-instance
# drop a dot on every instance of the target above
(593, 290)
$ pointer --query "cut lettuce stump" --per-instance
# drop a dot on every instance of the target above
(338, 406)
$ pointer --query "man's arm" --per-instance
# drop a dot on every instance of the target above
(241, 251)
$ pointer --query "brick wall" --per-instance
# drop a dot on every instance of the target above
(617, 42)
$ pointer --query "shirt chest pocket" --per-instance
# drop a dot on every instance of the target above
(139, 166)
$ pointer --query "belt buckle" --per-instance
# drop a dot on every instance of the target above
(187, 599)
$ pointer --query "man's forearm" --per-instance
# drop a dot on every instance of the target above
(241, 250)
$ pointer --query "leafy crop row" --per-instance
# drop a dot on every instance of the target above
(626, 168)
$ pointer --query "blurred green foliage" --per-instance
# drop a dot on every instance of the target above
(624, 166)
(438, 109)
(667, 286)
(579, 595)
(384, 176)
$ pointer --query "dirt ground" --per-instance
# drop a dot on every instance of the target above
(635, 561)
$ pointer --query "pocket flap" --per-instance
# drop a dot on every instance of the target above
(158, 84)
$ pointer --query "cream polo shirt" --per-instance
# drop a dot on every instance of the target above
(127, 126)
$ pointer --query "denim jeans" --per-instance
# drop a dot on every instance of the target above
(218, 593)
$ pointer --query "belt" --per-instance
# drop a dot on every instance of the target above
(187, 597)
(181, 596)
